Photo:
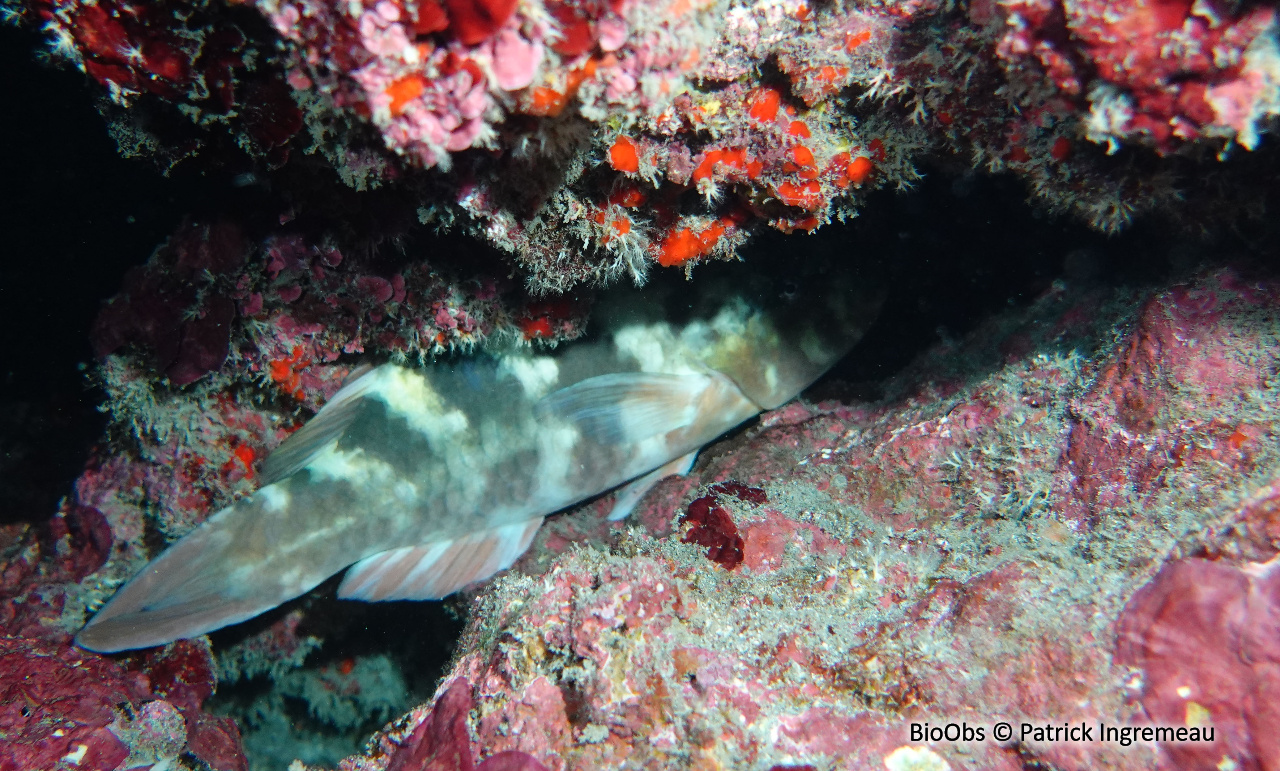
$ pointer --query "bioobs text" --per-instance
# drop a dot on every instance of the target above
(951, 732)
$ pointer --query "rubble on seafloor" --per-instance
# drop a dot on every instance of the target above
(594, 140)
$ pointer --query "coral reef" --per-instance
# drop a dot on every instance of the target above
(1009, 533)
(211, 352)
(594, 140)
(220, 315)
(1156, 72)
(189, 56)
(942, 555)
(63, 709)
(1070, 516)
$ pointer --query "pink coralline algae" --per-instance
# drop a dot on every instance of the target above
(1125, 436)
(442, 742)
(1160, 71)
(433, 77)
(62, 708)
(1204, 635)
(940, 555)
(81, 702)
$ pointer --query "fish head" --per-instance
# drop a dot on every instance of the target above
(775, 329)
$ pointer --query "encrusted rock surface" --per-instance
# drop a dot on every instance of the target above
(594, 140)
(1070, 517)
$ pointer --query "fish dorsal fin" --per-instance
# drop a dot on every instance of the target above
(302, 447)
(628, 407)
(435, 570)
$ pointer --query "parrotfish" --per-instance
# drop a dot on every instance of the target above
(421, 481)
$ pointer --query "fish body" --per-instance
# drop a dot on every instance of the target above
(425, 480)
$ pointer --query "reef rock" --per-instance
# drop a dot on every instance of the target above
(1067, 520)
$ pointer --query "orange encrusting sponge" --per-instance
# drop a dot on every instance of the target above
(623, 156)
(683, 244)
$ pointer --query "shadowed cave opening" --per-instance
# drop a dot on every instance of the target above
(376, 661)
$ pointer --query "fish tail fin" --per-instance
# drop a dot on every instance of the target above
(205, 581)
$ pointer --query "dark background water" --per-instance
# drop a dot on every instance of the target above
(75, 217)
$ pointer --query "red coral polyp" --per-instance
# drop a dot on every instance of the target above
(431, 18)
(475, 21)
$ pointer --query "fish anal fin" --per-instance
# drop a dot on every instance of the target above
(628, 407)
(324, 428)
(629, 495)
(435, 570)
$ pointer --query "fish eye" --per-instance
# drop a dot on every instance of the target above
(788, 290)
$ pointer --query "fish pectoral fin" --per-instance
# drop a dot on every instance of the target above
(302, 447)
(631, 493)
(627, 407)
(435, 570)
